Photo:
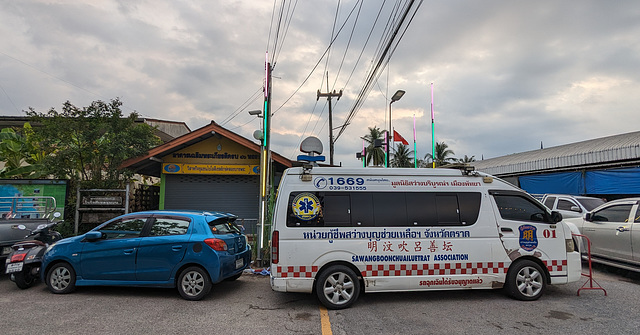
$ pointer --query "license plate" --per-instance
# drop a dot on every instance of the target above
(239, 263)
(14, 267)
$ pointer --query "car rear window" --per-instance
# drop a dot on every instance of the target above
(590, 204)
(224, 226)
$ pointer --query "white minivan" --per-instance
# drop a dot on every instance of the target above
(341, 231)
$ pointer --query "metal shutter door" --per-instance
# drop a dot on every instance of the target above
(234, 194)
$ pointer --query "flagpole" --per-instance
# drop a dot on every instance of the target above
(433, 136)
(415, 150)
(364, 155)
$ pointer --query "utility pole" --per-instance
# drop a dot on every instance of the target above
(265, 161)
(329, 95)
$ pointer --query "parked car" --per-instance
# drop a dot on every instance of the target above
(190, 250)
(28, 212)
(614, 231)
(571, 206)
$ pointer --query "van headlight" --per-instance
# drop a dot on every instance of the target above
(570, 246)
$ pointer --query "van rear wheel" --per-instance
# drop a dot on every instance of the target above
(337, 287)
(526, 280)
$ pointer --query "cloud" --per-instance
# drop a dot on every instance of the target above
(506, 75)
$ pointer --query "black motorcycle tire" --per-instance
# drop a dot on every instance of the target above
(24, 279)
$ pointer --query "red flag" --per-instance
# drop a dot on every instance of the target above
(398, 138)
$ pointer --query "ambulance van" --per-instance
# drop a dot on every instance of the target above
(341, 232)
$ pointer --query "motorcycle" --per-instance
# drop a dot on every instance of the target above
(24, 261)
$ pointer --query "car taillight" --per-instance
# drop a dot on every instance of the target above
(18, 257)
(216, 244)
(275, 245)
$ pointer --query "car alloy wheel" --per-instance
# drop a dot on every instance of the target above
(194, 283)
(61, 278)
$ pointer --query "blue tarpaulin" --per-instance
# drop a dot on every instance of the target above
(561, 183)
(614, 181)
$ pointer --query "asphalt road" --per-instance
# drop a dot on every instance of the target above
(248, 306)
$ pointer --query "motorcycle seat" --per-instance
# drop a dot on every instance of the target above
(28, 244)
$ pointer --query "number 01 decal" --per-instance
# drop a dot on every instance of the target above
(549, 233)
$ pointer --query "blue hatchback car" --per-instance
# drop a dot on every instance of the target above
(190, 250)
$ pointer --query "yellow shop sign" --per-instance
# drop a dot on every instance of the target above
(172, 168)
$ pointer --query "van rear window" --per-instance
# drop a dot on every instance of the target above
(382, 209)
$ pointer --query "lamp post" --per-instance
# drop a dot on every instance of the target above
(394, 98)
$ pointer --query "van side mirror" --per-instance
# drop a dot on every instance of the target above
(556, 217)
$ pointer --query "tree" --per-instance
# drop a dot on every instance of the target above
(375, 155)
(442, 155)
(87, 145)
(467, 159)
(21, 155)
(402, 157)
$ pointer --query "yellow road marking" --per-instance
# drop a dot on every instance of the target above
(324, 321)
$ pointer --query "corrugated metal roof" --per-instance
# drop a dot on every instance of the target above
(611, 150)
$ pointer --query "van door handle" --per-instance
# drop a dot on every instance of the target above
(506, 230)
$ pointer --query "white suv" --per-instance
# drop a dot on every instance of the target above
(571, 206)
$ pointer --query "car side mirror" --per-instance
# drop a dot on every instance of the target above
(93, 236)
(556, 217)
(575, 209)
(588, 217)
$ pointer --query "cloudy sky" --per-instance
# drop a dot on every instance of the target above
(507, 74)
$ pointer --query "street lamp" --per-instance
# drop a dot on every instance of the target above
(256, 112)
(394, 98)
(265, 159)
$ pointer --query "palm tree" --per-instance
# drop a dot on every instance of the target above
(375, 155)
(467, 159)
(442, 155)
(402, 157)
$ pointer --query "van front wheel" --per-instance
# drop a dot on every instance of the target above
(526, 280)
(337, 287)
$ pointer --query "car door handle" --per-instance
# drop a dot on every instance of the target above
(129, 251)
(622, 229)
(589, 229)
(176, 247)
(506, 230)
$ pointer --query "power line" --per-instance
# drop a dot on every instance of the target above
(375, 73)
(242, 107)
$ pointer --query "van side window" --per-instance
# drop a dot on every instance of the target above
(518, 208)
(388, 209)
(335, 210)
(361, 209)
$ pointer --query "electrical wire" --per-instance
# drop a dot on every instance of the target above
(242, 107)
(380, 64)
(316, 65)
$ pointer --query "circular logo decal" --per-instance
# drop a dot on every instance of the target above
(306, 206)
(172, 168)
(320, 182)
